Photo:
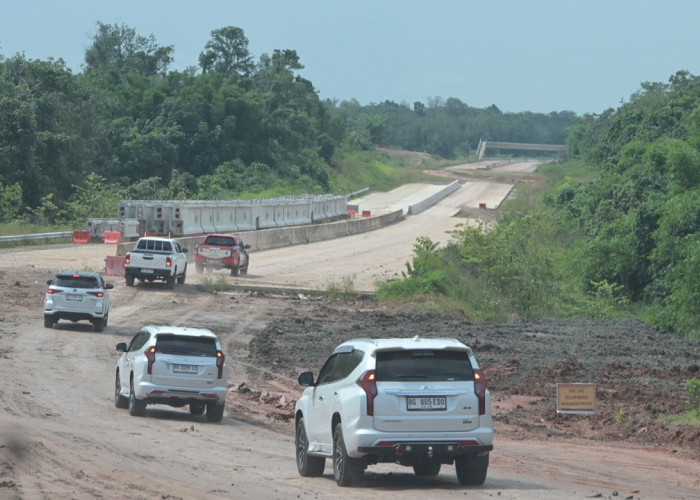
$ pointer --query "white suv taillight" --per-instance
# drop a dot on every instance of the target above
(151, 357)
(480, 390)
(220, 358)
(368, 384)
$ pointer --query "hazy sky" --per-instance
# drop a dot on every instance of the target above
(521, 55)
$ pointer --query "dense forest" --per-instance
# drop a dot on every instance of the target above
(616, 234)
(230, 126)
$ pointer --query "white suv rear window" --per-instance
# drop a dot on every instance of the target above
(76, 281)
(430, 365)
(186, 346)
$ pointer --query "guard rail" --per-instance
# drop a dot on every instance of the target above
(19, 238)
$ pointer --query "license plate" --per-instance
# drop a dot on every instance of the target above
(184, 368)
(147, 271)
(426, 403)
(74, 296)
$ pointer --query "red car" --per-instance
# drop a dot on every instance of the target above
(222, 251)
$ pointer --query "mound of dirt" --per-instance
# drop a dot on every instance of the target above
(639, 371)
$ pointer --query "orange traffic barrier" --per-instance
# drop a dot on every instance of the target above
(366, 213)
(114, 265)
(112, 237)
(81, 237)
(352, 213)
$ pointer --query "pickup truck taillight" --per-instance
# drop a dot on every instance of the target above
(168, 262)
(151, 357)
(368, 384)
(220, 358)
(480, 390)
(127, 259)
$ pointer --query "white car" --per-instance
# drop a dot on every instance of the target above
(415, 402)
(154, 258)
(77, 296)
(172, 365)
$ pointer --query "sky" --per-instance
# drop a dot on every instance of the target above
(542, 56)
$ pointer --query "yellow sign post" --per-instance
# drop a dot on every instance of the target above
(576, 398)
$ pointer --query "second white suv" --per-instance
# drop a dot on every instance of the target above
(77, 296)
(172, 365)
(415, 402)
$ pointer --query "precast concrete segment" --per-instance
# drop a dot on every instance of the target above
(179, 218)
(265, 239)
(400, 198)
(434, 198)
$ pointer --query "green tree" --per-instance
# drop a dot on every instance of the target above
(227, 53)
(11, 202)
(117, 50)
(47, 125)
(96, 197)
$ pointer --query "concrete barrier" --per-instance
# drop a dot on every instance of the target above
(432, 200)
(112, 237)
(265, 239)
(265, 216)
(81, 237)
(114, 265)
(244, 219)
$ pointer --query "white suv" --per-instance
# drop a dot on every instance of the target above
(76, 296)
(175, 366)
(415, 402)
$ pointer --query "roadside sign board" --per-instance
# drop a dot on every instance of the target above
(576, 398)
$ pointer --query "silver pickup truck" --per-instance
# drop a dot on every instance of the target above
(156, 259)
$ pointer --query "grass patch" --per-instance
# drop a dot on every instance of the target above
(218, 283)
(690, 417)
(341, 289)
(382, 170)
(19, 228)
(15, 228)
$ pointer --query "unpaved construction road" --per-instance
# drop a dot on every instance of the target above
(62, 437)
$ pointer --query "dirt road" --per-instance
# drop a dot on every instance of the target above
(62, 437)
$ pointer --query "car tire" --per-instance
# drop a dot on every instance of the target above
(471, 470)
(427, 469)
(119, 400)
(307, 465)
(234, 271)
(182, 277)
(170, 283)
(199, 268)
(48, 321)
(129, 279)
(197, 408)
(345, 470)
(137, 407)
(215, 412)
(98, 324)
(244, 270)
